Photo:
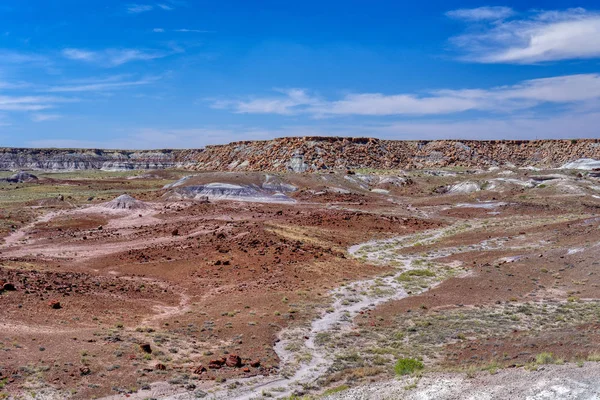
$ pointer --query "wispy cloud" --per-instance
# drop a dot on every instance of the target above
(116, 57)
(13, 85)
(139, 8)
(23, 58)
(183, 30)
(481, 13)
(37, 117)
(561, 90)
(192, 31)
(142, 8)
(28, 103)
(534, 37)
(290, 101)
(78, 54)
(111, 83)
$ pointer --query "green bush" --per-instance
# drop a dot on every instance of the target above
(408, 275)
(544, 358)
(405, 366)
(336, 390)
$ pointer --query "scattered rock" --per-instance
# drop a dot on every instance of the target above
(8, 287)
(217, 363)
(54, 304)
(199, 370)
(234, 361)
(160, 367)
(146, 348)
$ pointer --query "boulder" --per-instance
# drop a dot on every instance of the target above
(146, 348)
(199, 370)
(234, 361)
(54, 304)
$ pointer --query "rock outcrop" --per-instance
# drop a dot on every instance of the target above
(21, 177)
(300, 154)
(80, 159)
(324, 153)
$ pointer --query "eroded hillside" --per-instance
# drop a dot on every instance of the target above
(302, 154)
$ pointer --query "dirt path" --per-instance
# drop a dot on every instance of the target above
(163, 312)
(15, 237)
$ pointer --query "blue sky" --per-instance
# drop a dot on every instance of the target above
(182, 73)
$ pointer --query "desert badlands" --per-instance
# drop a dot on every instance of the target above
(302, 268)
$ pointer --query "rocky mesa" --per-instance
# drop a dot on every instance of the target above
(305, 154)
(87, 159)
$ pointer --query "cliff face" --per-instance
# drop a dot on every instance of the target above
(337, 153)
(312, 154)
(69, 160)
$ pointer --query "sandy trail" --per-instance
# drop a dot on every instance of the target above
(14, 246)
(8, 328)
(15, 237)
(163, 312)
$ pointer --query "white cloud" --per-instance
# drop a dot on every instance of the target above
(192, 31)
(293, 101)
(158, 30)
(14, 85)
(21, 58)
(98, 85)
(539, 36)
(115, 57)
(78, 54)
(481, 13)
(28, 103)
(139, 8)
(561, 90)
(142, 8)
(45, 117)
(118, 57)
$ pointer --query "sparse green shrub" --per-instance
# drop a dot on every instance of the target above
(545, 358)
(337, 389)
(408, 275)
(406, 366)
(594, 357)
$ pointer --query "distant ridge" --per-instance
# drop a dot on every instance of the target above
(312, 154)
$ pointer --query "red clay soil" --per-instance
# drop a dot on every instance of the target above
(197, 282)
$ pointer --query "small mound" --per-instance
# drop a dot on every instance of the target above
(125, 202)
(463, 187)
(21, 177)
